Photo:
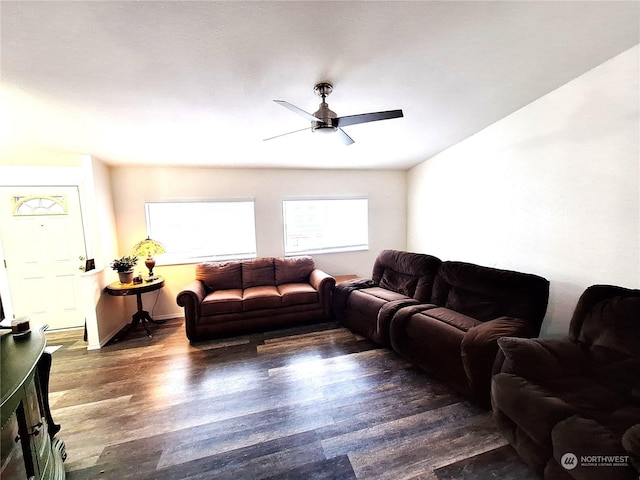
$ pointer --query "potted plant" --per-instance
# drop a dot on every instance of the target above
(124, 267)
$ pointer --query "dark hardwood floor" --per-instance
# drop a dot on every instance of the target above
(314, 402)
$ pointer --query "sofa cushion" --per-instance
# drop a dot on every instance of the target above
(220, 275)
(293, 269)
(257, 272)
(486, 293)
(621, 375)
(382, 293)
(399, 282)
(297, 294)
(478, 305)
(535, 409)
(365, 304)
(584, 393)
(411, 274)
(258, 298)
(450, 317)
(222, 301)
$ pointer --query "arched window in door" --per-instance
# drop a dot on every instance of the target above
(39, 205)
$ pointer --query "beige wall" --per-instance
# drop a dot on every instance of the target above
(133, 186)
(106, 315)
(553, 189)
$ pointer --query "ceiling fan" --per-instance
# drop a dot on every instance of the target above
(326, 121)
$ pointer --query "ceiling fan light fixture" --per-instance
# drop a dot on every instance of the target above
(323, 128)
(326, 120)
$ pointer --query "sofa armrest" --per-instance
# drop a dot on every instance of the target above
(386, 314)
(491, 331)
(191, 298)
(324, 284)
(479, 349)
(341, 292)
(631, 444)
(194, 292)
(542, 359)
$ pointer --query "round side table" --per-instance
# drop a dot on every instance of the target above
(123, 289)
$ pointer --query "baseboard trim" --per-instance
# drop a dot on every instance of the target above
(104, 340)
(168, 316)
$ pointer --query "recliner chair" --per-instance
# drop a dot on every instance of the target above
(571, 407)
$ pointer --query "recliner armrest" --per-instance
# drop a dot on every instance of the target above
(631, 443)
(492, 330)
(341, 292)
(479, 349)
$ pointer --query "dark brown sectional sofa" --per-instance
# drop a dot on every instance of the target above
(571, 406)
(399, 279)
(240, 296)
(444, 317)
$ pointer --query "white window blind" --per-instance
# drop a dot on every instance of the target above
(325, 225)
(203, 230)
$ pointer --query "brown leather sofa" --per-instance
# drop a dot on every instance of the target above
(239, 296)
(571, 407)
(444, 317)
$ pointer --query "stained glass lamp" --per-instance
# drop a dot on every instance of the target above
(148, 248)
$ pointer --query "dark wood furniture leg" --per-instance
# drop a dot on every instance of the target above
(142, 316)
(44, 370)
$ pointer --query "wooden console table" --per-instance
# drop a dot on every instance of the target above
(29, 446)
(141, 316)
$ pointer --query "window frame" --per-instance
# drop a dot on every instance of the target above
(325, 250)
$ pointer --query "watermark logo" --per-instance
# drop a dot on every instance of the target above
(569, 461)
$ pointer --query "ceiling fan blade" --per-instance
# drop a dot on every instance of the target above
(288, 133)
(368, 117)
(346, 139)
(297, 110)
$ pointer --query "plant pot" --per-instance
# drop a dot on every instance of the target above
(126, 277)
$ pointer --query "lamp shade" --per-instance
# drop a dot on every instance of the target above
(148, 248)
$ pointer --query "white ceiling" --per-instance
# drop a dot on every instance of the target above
(193, 82)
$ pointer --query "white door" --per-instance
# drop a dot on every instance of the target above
(43, 239)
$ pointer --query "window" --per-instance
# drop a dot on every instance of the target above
(207, 230)
(39, 205)
(325, 225)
